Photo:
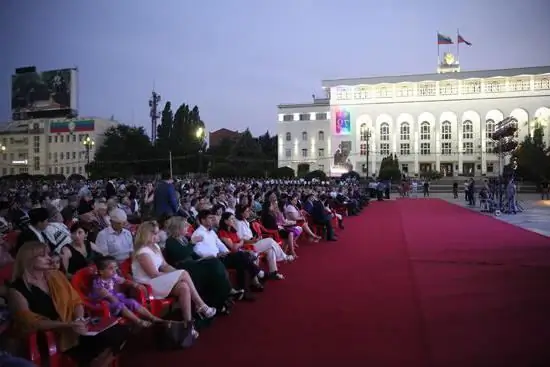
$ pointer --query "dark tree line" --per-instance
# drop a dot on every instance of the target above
(127, 151)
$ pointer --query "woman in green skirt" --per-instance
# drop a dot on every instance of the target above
(208, 274)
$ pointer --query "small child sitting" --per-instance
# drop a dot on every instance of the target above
(104, 289)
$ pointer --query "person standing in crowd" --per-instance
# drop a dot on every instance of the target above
(165, 201)
(110, 190)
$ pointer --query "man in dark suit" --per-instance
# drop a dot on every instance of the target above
(318, 213)
(166, 200)
(38, 221)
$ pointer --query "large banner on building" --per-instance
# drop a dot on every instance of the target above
(43, 94)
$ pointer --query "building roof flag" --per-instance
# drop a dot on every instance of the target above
(462, 40)
(444, 40)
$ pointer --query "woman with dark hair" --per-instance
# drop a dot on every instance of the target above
(80, 252)
(273, 219)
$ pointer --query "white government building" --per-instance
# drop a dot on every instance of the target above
(438, 122)
(50, 146)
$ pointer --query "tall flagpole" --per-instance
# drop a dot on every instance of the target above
(457, 47)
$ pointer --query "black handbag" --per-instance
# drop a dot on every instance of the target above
(175, 335)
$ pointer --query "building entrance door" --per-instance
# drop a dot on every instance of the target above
(469, 169)
(425, 167)
(446, 169)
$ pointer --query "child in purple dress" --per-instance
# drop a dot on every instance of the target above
(104, 289)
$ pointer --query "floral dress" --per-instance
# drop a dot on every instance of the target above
(109, 285)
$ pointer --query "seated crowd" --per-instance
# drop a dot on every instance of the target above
(204, 245)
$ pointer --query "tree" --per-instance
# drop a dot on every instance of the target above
(126, 151)
(533, 162)
(389, 169)
(182, 134)
(268, 145)
(247, 154)
(283, 172)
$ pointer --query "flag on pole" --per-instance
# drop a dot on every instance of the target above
(444, 40)
(462, 40)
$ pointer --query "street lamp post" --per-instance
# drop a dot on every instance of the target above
(200, 137)
(88, 144)
(368, 153)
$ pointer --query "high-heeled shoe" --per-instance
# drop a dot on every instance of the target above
(206, 312)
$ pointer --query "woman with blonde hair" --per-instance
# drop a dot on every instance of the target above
(149, 267)
(209, 274)
(41, 298)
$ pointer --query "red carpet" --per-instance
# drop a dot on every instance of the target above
(409, 283)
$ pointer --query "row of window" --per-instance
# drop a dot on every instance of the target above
(69, 138)
(307, 116)
(51, 170)
(446, 88)
(67, 155)
(404, 149)
(405, 131)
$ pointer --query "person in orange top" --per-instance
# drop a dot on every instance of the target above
(229, 236)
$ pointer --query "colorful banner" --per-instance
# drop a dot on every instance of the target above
(72, 126)
(342, 122)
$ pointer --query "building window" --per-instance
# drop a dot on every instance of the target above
(489, 130)
(73, 169)
(288, 137)
(321, 135)
(61, 139)
(363, 149)
(471, 87)
(79, 169)
(304, 135)
(285, 118)
(425, 131)
(36, 144)
(363, 132)
(405, 149)
(67, 155)
(493, 86)
(74, 155)
(426, 89)
(467, 130)
(304, 153)
(520, 85)
(446, 148)
(385, 149)
(55, 139)
(321, 167)
(424, 148)
(50, 170)
(385, 132)
(448, 88)
(50, 139)
(61, 156)
(542, 84)
(305, 117)
(362, 93)
(383, 92)
(288, 153)
(405, 131)
(74, 138)
(321, 116)
(490, 167)
(36, 161)
(446, 131)
(405, 168)
(404, 91)
(468, 147)
(321, 152)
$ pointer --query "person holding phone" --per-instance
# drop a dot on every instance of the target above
(41, 298)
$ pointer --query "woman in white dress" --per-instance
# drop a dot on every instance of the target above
(149, 267)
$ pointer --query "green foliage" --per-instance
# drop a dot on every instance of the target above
(303, 169)
(533, 162)
(283, 172)
(431, 175)
(351, 175)
(317, 174)
(389, 169)
(126, 151)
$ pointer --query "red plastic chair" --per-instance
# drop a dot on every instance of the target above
(156, 306)
(82, 283)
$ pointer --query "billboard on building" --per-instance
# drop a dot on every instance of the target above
(341, 121)
(46, 94)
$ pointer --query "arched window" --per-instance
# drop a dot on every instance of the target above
(467, 130)
(489, 130)
(288, 137)
(384, 131)
(363, 132)
(321, 135)
(446, 131)
(425, 131)
(405, 131)
(304, 136)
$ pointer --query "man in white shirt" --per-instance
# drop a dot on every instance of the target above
(116, 240)
(210, 245)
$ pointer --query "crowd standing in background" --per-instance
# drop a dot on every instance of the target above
(201, 244)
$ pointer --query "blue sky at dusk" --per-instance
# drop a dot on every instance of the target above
(238, 59)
